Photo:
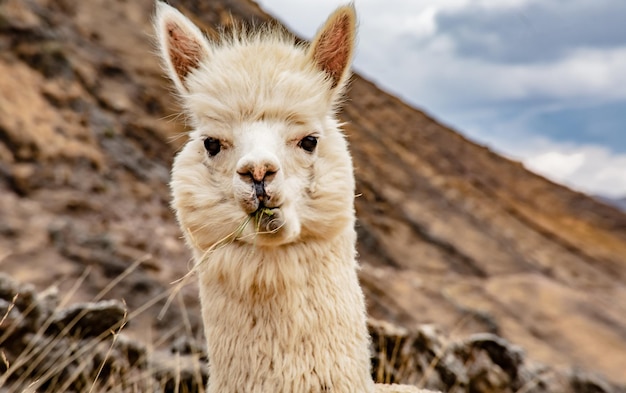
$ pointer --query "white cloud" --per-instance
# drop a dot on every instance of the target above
(421, 25)
(433, 75)
(591, 169)
(585, 73)
(557, 164)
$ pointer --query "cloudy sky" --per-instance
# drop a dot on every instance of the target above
(541, 81)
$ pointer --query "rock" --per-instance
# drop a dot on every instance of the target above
(86, 320)
(584, 382)
(480, 363)
(501, 353)
(48, 301)
(179, 372)
(19, 304)
(486, 377)
(132, 350)
(186, 345)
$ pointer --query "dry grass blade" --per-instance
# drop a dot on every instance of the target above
(5, 360)
(106, 357)
(9, 309)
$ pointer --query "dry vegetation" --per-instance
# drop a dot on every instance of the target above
(47, 345)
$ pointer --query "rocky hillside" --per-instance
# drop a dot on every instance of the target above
(450, 233)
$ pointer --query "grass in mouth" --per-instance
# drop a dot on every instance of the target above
(260, 212)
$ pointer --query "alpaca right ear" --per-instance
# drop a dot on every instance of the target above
(182, 45)
(333, 46)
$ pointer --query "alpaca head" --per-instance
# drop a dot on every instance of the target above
(265, 150)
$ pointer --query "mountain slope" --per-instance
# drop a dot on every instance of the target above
(449, 232)
(619, 202)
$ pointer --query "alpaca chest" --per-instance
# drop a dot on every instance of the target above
(305, 338)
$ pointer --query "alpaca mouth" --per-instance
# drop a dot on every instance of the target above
(267, 219)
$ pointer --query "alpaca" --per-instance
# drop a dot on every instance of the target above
(264, 193)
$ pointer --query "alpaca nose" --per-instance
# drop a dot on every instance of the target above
(258, 172)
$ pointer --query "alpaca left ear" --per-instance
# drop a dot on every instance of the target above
(333, 46)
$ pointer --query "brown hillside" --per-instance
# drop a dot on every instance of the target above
(450, 232)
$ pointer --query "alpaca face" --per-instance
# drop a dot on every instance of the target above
(257, 172)
(266, 163)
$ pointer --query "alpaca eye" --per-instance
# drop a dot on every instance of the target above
(212, 146)
(308, 143)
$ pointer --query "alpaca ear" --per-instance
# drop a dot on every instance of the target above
(182, 45)
(333, 46)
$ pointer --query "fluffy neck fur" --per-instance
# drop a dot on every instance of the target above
(285, 319)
